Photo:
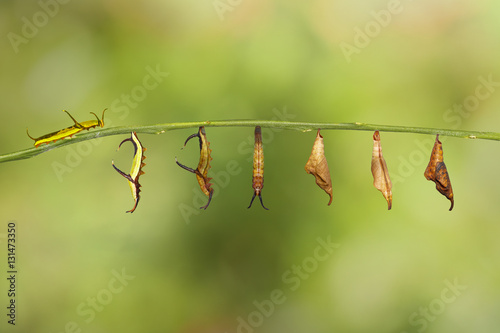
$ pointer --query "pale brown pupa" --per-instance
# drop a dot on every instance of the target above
(318, 166)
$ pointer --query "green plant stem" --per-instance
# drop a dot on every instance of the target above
(289, 125)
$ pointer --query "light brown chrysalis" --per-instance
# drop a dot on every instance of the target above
(318, 166)
(258, 167)
(381, 179)
(436, 171)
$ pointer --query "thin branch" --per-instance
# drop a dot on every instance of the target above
(290, 125)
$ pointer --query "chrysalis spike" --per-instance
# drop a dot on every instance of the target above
(184, 167)
(119, 146)
(260, 197)
(251, 201)
(209, 199)
(195, 135)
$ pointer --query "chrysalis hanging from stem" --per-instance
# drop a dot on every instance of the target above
(201, 171)
(318, 166)
(136, 171)
(258, 167)
(381, 179)
(436, 171)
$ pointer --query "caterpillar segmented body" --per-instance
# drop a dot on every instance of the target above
(69, 131)
(258, 167)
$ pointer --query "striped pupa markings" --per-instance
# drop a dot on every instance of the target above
(258, 167)
(136, 170)
(203, 167)
(69, 131)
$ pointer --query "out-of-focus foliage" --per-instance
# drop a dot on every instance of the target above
(230, 269)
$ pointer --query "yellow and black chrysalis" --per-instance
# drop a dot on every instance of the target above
(136, 171)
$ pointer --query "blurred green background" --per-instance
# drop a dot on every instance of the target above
(208, 271)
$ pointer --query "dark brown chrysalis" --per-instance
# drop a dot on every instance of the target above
(258, 167)
(436, 171)
(201, 171)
